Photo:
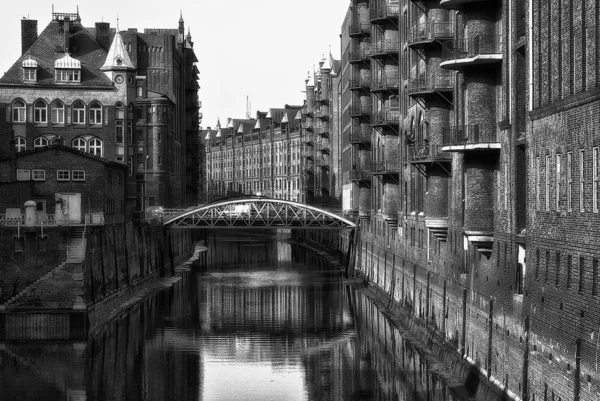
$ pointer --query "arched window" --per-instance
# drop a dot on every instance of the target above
(18, 111)
(40, 112)
(95, 146)
(78, 112)
(20, 144)
(79, 144)
(120, 111)
(95, 113)
(57, 112)
(40, 142)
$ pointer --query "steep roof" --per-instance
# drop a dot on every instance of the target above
(117, 57)
(69, 149)
(48, 48)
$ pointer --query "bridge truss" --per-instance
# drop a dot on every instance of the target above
(256, 212)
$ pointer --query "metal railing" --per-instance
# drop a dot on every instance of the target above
(386, 117)
(472, 47)
(359, 28)
(360, 174)
(383, 11)
(94, 219)
(356, 136)
(441, 80)
(429, 31)
(385, 82)
(360, 83)
(470, 134)
(385, 46)
(384, 166)
(427, 152)
(309, 137)
(360, 54)
(50, 220)
(360, 110)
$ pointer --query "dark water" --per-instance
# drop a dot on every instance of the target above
(268, 321)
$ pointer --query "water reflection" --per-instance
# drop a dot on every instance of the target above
(283, 327)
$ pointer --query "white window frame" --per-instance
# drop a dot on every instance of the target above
(78, 112)
(596, 178)
(29, 74)
(582, 180)
(95, 147)
(19, 113)
(547, 183)
(40, 114)
(77, 175)
(558, 178)
(20, 144)
(68, 75)
(77, 144)
(38, 175)
(95, 113)
(63, 175)
(40, 142)
(570, 181)
(23, 175)
(537, 183)
(57, 112)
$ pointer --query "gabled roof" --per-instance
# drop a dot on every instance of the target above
(70, 150)
(48, 48)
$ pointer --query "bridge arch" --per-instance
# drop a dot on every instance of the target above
(259, 212)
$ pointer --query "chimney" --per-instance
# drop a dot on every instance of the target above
(103, 34)
(28, 33)
(67, 30)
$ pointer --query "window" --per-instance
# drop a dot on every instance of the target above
(78, 113)
(595, 276)
(40, 112)
(558, 268)
(38, 175)
(95, 147)
(78, 175)
(570, 181)
(20, 144)
(119, 132)
(581, 181)
(569, 270)
(547, 182)
(63, 175)
(57, 112)
(79, 144)
(581, 273)
(129, 132)
(18, 112)
(68, 75)
(537, 183)
(130, 165)
(558, 178)
(23, 175)
(119, 111)
(95, 113)
(29, 74)
(596, 178)
(110, 207)
(40, 142)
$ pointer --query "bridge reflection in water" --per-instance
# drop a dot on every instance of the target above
(283, 328)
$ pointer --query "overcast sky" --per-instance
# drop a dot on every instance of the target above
(262, 49)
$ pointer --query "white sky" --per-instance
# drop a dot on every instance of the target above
(262, 49)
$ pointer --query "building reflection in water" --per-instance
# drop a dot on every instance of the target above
(269, 321)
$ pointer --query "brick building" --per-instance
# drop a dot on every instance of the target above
(124, 96)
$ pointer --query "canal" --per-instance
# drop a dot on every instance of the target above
(254, 319)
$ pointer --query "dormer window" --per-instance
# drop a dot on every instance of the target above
(29, 70)
(67, 70)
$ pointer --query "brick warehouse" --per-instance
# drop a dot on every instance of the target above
(125, 96)
(468, 149)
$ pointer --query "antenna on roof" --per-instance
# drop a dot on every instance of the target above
(117, 22)
(247, 107)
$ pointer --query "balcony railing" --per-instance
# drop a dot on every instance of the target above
(478, 50)
(360, 174)
(308, 153)
(360, 83)
(50, 220)
(384, 11)
(356, 136)
(475, 134)
(309, 137)
(385, 83)
(418, 153)
(357, 110)
(383, 47)
(360, 54)
(442, 81)
(323, 147)
(386, 117)
(387, 166)
(359, 28)
(431, 31)
(322, 163)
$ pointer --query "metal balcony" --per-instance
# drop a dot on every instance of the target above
(381, 12)
(470, 137)
(357, 110)
(308, 153)
(360, 174)
(386, 118)
(322, 163)
(358, 138)
(425, 34)
(356, 83)
(323, 147)
(358, 28)
(322, 114)
(309, 137)
(360, 55)
(459, 4)
(439, 82)
(385, 83)
(383, 48)
(427, 153)
(480, 50)
(387, 167)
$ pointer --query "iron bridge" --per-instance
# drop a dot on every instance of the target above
(255, 212)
